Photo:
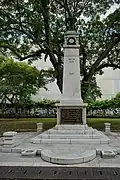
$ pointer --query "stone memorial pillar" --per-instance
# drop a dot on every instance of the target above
(107, 128)
(39, 127)
(71, 109)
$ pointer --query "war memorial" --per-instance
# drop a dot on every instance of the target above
(71, 149)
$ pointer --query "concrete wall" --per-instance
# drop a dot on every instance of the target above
(109, 82)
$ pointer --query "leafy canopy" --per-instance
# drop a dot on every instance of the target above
(18, 81)
(30, 28)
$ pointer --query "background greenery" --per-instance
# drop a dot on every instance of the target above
(18, 82)
(33, 29)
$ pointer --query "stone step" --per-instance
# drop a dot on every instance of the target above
(69, 136)
(70, 141)
(71, 127)
(67, 131)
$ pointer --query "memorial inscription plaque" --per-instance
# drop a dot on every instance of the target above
(71, 116)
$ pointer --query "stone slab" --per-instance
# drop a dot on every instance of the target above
(108, 154)
(70, 127)
(67, 155)
(16, 150)
(105, 148)
(9, 138)
(29, 152)
(69, 141)
(10, 133)
(63, 131)
(8, 142)
(55, 141)
(9, 145)
(6, 150)
(69, 136)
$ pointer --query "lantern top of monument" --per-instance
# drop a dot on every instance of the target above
(72, 33)
(71, 39)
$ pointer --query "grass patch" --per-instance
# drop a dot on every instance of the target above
(98, 123)
(31, 119)
(103, 120)
(25, 124)
(29, 124)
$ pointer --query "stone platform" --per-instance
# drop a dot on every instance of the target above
(69, 144)
(71, 134)
(13, 156)
(64, 145)
(68, 154)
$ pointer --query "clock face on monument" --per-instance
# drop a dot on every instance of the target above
(71, 41)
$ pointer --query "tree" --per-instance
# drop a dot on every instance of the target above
(18, 81)
(31, 28)
(117, 100)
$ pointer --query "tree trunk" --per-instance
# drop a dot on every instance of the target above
(60, 78)
(59, 83)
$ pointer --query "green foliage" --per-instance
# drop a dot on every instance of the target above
(31, 28)
(112, 104)
(46, 103)
(117, 100)
(90, 90)
(18, 81)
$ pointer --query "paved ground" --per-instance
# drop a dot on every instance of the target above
(23, 142)
(15, 166)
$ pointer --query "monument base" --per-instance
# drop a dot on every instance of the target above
(68, 155)
(70, 144)
(71, 113)
(71, 134)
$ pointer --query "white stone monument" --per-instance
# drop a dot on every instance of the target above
(71, 109)
(71, 141)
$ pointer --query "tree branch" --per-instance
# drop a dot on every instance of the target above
(80, 12)
(8, 99)
(102, 56)
(21, 29)
(26, 33)
(48, 45)
(37, 53)
(67, 8)
(10, 47)
(107, 65)
(83, 64)
(59, 2)
(45, 14)
(19, 16)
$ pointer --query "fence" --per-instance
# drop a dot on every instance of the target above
(52, 112)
